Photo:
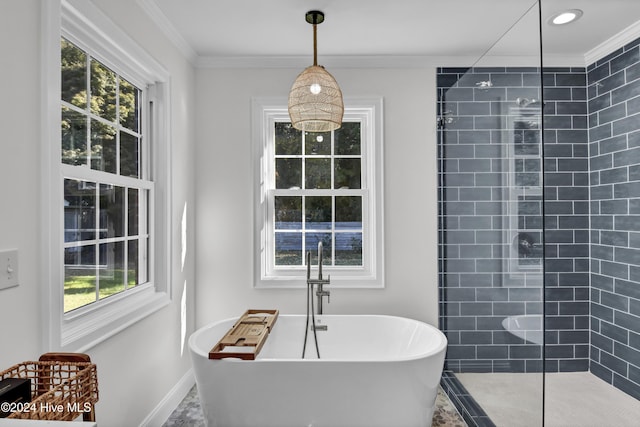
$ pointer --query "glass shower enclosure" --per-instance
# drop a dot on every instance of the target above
(491, 230)
(539, 222)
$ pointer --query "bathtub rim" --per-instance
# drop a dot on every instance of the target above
(205, 354)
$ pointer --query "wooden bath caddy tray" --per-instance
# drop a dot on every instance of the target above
(246, 336)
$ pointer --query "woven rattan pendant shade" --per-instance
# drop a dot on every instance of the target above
(311, 112)
(315, 99)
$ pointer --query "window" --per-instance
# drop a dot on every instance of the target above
(106, 181)
(107, 172)
(319, 187)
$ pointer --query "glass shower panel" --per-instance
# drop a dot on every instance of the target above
(592, 213)
(491, 229)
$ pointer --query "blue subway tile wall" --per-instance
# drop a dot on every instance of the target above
(487, 165)
(566, 161)
(614, 144)
(490, 215)
(592, 217)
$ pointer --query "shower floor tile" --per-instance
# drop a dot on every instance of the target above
(189, 413)
(573, 399)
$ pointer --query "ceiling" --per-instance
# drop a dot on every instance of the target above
(222, 30)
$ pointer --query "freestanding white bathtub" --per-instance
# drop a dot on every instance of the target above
(373, 371)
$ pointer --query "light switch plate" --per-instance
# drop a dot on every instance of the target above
(8, 268)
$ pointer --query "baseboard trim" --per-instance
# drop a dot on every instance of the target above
(170, 402)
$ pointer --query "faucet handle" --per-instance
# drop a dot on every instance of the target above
(324, 293)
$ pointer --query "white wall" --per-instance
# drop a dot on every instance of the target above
(20, 176)
(139, 366)
(212, 176)
(224, 193)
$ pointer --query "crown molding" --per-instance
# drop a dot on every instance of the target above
(390, 61)
(619, 40)
(168, 29)
(329, 61)
(562, 60)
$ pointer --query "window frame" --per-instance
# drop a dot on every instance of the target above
(87, 173)
(368, 111)
(90, 29)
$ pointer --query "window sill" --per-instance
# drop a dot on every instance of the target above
(85, 328)
(299, 281)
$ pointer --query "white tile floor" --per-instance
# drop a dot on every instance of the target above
(573, 399)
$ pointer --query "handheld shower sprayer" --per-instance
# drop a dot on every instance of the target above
(320, 293)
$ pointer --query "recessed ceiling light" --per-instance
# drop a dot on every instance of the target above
(565, 17)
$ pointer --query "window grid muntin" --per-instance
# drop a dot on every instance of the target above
(96, 177)
(86, 111)
(304, 192)
(369, 112)
(142, 237)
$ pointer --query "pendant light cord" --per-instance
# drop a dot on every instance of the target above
(315, 45)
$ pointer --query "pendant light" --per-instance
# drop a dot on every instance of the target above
(315, 99)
